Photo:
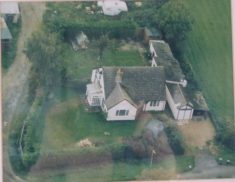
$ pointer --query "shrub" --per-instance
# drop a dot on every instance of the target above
(32, 135)
(175, 140)
(69, 23)
(14, 154)
(226, 137)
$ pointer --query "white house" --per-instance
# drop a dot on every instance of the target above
(181, 108)
(112, 7)
(123, 92)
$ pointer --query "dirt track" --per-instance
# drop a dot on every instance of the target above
(206, 167)
(197, 133)
(14, 81)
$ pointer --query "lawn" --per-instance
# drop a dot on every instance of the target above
(209, 50)
(120, 171)
(80, 63)
(67, 123)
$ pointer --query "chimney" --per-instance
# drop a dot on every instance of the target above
(119, 74)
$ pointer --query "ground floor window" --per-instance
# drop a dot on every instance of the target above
(154, 103)
(122, 112)
(95, 101)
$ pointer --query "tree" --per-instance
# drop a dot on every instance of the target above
(174, 21)
(44, 50)
(102, 44)
(113, 45)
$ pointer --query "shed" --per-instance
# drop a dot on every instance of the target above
(80, 42)
(200, 106)
(180, 106)
(113, 7)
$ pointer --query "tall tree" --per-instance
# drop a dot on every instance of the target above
(174, 20)
(44, 50)
(102, 44)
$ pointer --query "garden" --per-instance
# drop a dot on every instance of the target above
(64, 134)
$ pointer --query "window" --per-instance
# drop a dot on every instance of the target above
(154, 103)
(122, 112)
(95, 101)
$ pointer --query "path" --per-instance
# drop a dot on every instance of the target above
(16, 77)
(14, 81)
(207, 167)
(197, 133)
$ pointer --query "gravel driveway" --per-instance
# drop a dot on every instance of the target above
(206, 167)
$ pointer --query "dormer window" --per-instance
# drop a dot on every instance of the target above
(154, 103)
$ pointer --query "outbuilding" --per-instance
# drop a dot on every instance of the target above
(113, 7)
(181, 108)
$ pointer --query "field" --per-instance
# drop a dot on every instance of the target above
(209, 50)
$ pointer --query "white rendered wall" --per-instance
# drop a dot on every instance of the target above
(185, 113)
(124, 105)
(159, 107)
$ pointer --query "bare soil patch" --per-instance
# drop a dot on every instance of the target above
(131, 45)
(197, 133)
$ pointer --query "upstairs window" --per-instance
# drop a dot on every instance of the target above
(95, 101)
(122, 112)
(154, 103)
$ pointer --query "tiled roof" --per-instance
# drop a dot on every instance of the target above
(165, 58)
(116, 96)
(137, 83)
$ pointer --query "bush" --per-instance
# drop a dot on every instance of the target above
(226, 137)
(14, 154)
(175, 140)
(32, 135)
(69, 23)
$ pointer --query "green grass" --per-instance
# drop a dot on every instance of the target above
(183, 163)
(141, 169)
(225, 154)
(121, 171)
(209, 50)
(80, 63)
(123, 58)
(67, 123)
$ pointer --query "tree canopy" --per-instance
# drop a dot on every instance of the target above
(174, 20)
(44, 50)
